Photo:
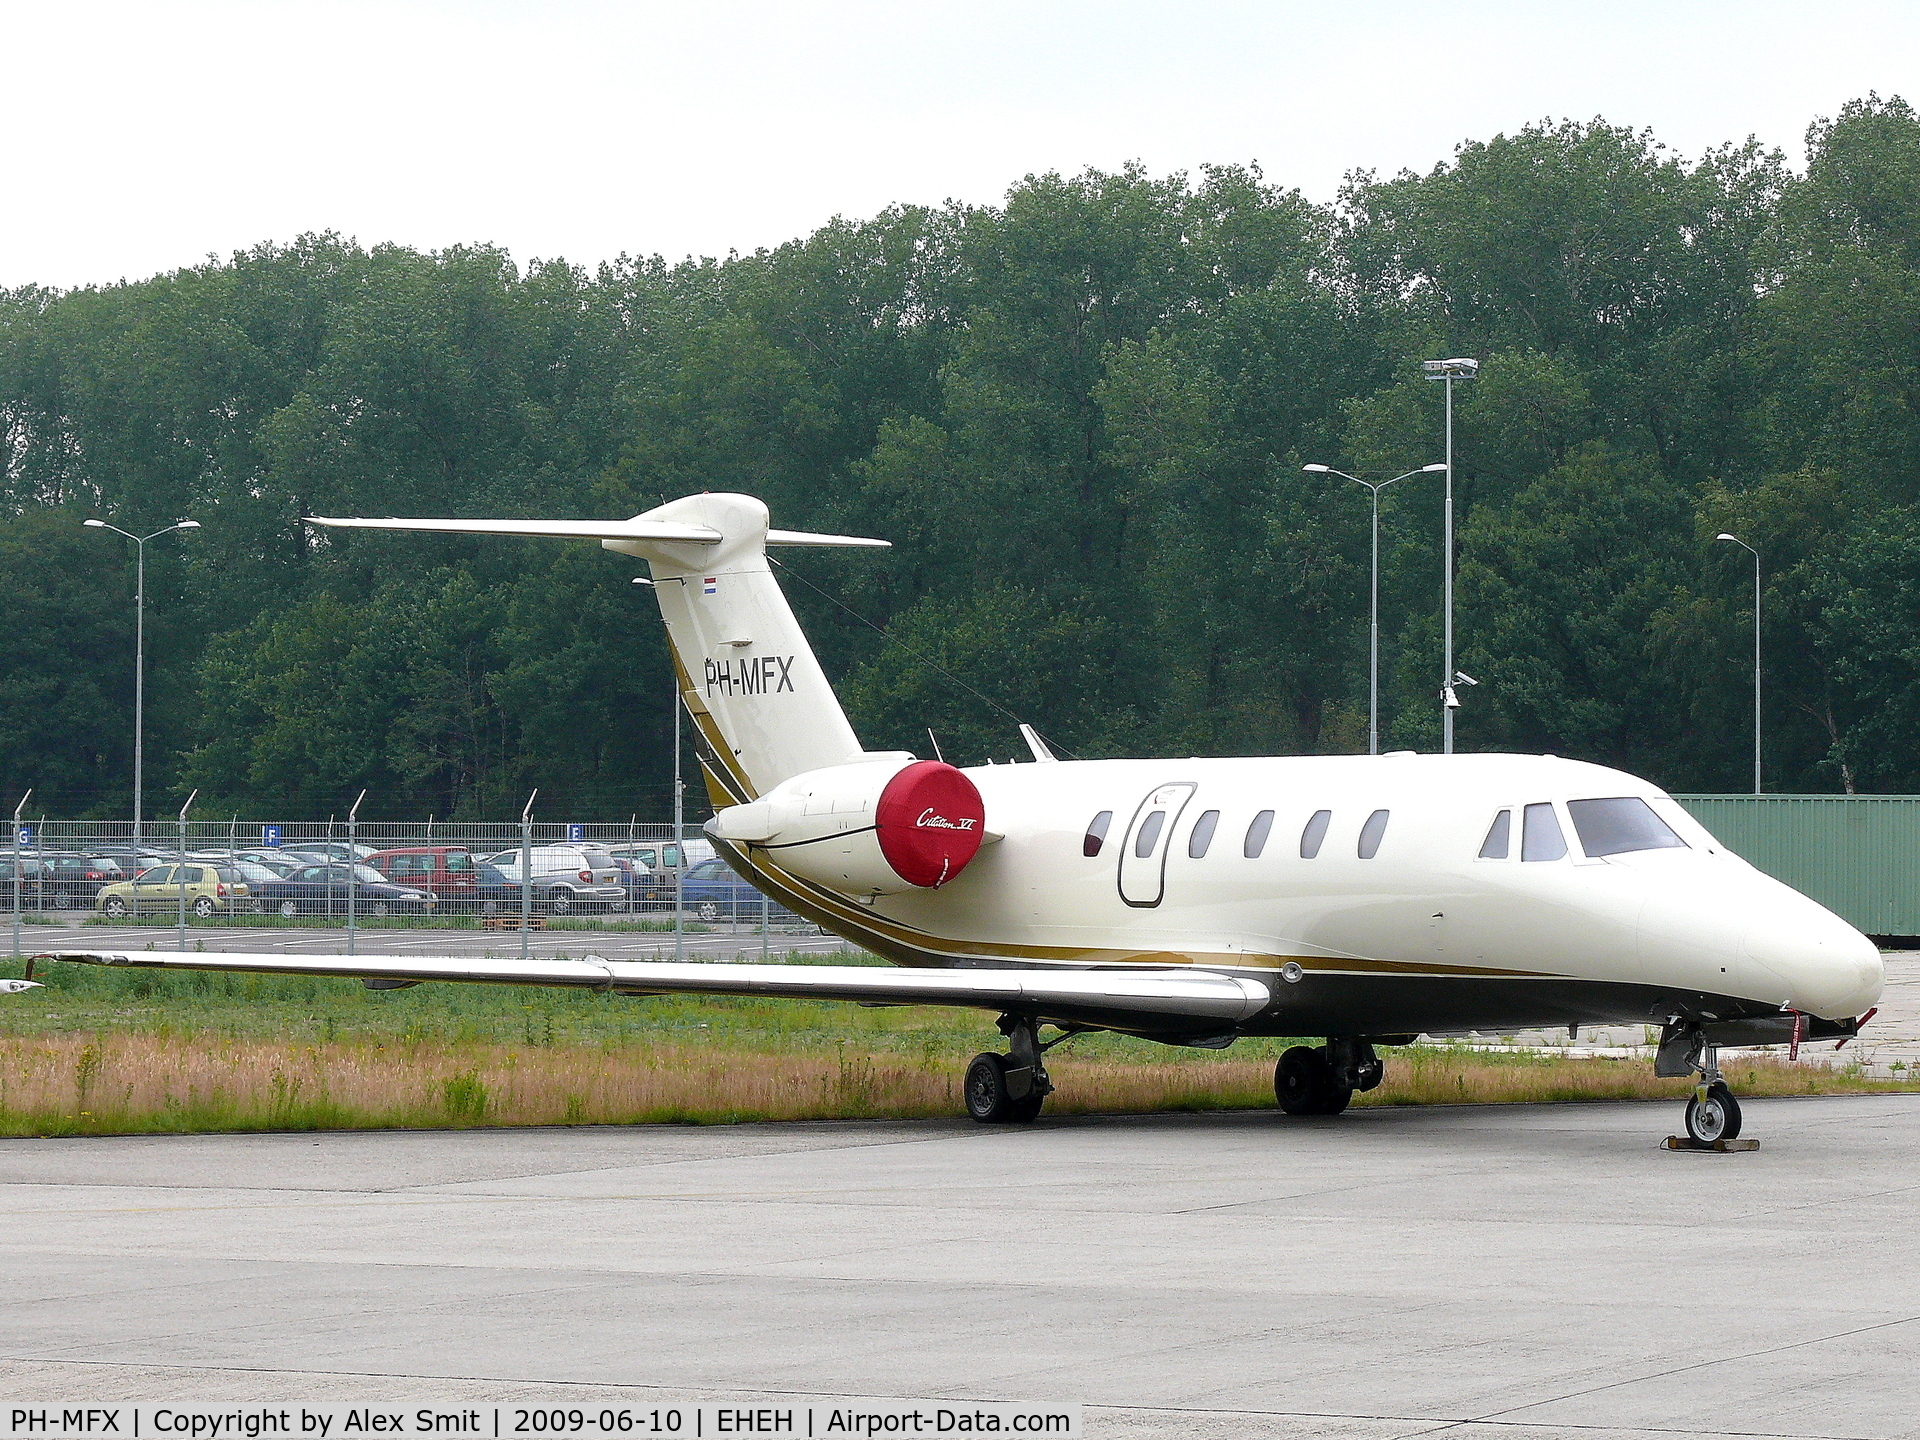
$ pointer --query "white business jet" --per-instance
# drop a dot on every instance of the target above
(1190, 902)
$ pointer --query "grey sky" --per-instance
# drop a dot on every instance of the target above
(144, 136)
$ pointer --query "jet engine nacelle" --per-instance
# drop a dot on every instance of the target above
(875, 827)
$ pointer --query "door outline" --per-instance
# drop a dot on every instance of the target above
(1146, 876)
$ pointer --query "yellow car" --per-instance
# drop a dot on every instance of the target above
(211, 889)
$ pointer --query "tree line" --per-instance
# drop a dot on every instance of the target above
(1081, 416)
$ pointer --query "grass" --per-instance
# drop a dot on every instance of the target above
(117, 1052)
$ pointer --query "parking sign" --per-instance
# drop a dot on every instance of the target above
(26, 834)
(576, 832)
(270, 837)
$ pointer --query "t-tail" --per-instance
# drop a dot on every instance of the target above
(750, 680)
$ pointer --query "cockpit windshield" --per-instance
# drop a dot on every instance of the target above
(1619, 825)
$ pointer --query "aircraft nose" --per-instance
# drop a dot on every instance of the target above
(1824, 965)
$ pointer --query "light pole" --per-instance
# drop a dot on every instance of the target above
(1449, 371)
(1373, 612)
(140, 650)
(1756, 652)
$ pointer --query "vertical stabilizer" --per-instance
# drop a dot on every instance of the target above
(749, 678)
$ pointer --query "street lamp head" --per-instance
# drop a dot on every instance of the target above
(1431, 469)
(1310, 469)
(1724, 536)
(1458, 368)
(94, 524)
(187, 525)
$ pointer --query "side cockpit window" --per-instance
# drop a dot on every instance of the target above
(1315, 834)
(1096, 833)
(1540, 837)
(1619, 826)
(1494, 847)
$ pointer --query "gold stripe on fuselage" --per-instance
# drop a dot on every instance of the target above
(904, 944)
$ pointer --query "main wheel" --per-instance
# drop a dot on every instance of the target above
(1715, 1118)
(1303, 1083)
(289, 909)
(114, 908)
(988, 1099)
(204, 907)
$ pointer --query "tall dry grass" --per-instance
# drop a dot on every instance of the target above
(119, 1083)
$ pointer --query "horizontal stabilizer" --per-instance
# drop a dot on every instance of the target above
(659, 531)
(1152, 999)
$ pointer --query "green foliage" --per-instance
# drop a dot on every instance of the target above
(1080, 415)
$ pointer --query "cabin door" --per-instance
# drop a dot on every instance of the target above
(1143, 858)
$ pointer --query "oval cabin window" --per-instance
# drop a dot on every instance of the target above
(1315, 835)
(1257, 833)
(1096, 833)
(1371, 834)
(1202, 835)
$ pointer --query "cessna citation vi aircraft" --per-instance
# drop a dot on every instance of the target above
(1192, 902)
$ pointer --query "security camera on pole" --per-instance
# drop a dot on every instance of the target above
(1449, 371)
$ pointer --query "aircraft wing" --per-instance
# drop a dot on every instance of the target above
(1179, 1001)
(660, 531)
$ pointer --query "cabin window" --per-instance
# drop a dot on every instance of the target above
(1540, 837)
(1256, 840)
(1315, 833)
(1620, 825)
(1202, 835)
(1494, 847)
(1096, 833)
(1371, 832)
(1149, 835)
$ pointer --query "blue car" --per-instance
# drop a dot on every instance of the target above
(713, 892)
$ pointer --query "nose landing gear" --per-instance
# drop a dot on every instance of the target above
(1713, 1115)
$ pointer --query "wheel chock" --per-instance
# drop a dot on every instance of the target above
(1722, 1147)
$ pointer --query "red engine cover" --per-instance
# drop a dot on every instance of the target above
(930, 821)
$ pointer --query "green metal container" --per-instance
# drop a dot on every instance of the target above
(1858, 855)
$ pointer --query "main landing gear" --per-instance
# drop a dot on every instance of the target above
(1321, 1080)
(1010, 1089)
(1712, 1113)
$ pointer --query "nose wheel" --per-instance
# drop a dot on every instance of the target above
(1713, 1114)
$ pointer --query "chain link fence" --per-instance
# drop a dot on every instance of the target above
(378, 875)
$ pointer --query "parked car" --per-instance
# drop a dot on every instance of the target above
(325, 890)
(568, 877)
(279, 862)
(662, 855)
(77, 879)
(646, 889)
(713, 892)
(209, 889)
(446, 870)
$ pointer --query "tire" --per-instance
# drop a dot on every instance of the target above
(489, 907)
(114, 908)
(289, 909)
(204, 907)
(985, 1089)
(560, 902)
(1717, 1119)
(380, 909)
(61, 900)
(709, 910)
(1303, 1084)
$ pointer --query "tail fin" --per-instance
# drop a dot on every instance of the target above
(758, 697)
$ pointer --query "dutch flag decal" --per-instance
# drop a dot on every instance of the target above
(710, 585)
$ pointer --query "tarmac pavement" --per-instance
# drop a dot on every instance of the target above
(1514, 1271)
